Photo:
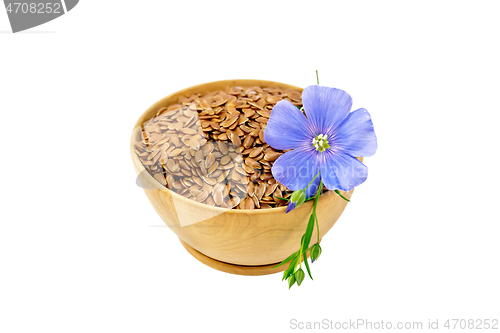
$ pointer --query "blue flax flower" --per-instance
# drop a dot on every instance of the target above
(327, 141)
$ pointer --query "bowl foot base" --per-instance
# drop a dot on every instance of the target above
(232, 268)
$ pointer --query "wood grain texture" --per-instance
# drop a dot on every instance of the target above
(240, 237)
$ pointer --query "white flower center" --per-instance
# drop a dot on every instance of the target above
(320, 142)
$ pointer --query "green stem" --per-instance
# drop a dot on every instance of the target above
(317, 78)
(315, 204)
(317, 227)
(312, 180)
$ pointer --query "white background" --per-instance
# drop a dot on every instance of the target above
(82, 249)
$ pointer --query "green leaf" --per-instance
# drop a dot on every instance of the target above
(307, 265)
(280, 198)
(288, 272)
(290, 269)
(285, 273)
(299, 276)
(291, 281)
(308, 233)
(337, 191)
(286, 260)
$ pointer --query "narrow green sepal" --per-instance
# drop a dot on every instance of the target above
(291, 281)
(337, 191)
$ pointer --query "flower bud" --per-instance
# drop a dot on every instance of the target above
(315, 252)
(299, 276)
(301, 199)
(296, 195)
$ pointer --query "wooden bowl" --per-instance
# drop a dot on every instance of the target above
(247, 242)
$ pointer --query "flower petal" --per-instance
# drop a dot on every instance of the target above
(290, 207)
(325, 107)
(296, 168)
(355, 135)
(287, 127)
(341, 171)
